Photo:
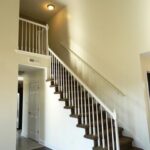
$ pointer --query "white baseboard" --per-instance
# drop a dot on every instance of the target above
(24, 134)
(42, 142)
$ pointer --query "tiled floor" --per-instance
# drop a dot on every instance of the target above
(43, 148)
(28, 144)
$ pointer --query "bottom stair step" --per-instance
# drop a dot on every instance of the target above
(92, 137)
(135, 148)
(125, 143)
(98, 148)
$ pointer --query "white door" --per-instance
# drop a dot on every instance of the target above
(34, 111)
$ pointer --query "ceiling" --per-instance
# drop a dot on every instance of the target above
(36, 10)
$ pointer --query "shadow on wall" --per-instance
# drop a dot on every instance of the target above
(59, 42)
(58, 33)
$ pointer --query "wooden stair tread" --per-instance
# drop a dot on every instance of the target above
(124, 140)
(47, 80)
(62, 99)
(99, 148)
(94, 137)
(57, 92)
(135, 148)
(68, 107)
(53, 85)
(82, 126)
(74, 116)
(91, 137)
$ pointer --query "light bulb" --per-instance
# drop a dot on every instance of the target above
(50, 7)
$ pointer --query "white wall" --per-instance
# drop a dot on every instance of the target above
(9, 61)
(9, 12)
(145, 64)
(109, 35)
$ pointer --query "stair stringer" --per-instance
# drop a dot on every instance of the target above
(63, 133)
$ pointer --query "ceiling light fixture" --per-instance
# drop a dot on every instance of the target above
(50, 7)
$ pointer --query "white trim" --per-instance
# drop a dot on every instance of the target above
(32, 54)
(42, 142)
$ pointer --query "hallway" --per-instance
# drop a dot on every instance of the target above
(28, 144)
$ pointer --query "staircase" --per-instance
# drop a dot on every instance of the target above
(99, 122)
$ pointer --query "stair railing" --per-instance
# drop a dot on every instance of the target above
(33, 37)
(100, 122)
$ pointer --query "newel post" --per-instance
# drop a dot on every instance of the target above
(47, 28)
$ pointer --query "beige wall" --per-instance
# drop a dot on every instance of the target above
(109, 35)
(9, 11)
(9, 61)
(145, 63)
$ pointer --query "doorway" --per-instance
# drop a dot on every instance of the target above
(30, 82)
(148, 80)
(19, 103)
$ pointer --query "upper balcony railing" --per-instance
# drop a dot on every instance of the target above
(33, 37)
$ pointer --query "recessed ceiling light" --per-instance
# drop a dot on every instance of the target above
(50, 7)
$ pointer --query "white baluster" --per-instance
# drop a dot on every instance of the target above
(89, 117)
(58, 74)
(61, 78)
(55, 71)
(108, 146)
(26, 38)
(85, 107)
(66, 84)
(22, 39)
(42, 41)
(46, 42)
(82, 111)
(39, 35)
(52, 66)
(98, 130)
(69, 97)
(93, 115)
(33, 38)
(116, 132)
(102, 128)
(78, 97)
(29, 37)
(56, 81)
(63, 82)
(112, 132)
(71, 91)
(75, 97)
(58, 71)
